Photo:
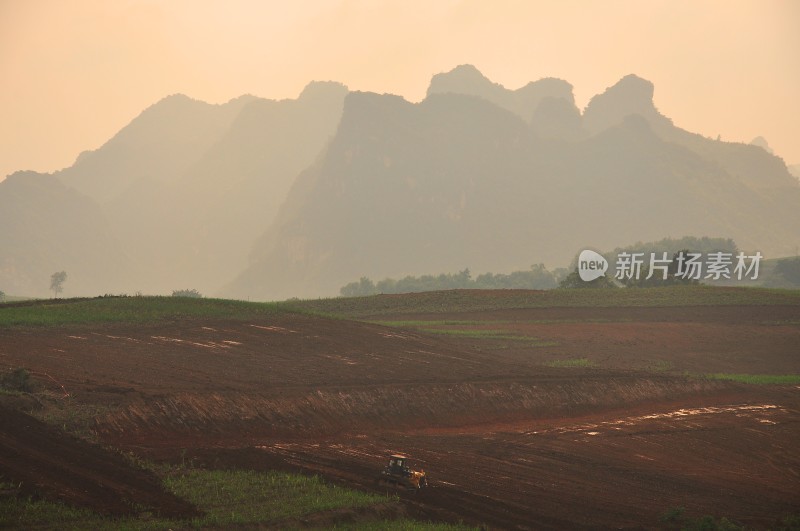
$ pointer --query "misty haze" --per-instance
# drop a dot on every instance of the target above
(468, 265)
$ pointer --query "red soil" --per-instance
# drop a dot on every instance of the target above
(507, 441)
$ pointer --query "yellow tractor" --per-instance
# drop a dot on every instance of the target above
(398, 474)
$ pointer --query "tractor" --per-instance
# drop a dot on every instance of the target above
(398, 474)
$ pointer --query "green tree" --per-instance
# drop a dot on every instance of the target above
(57, 282)
(2, 296)
(362, 288)
(191, 293)
(462, 279)
(387, 285)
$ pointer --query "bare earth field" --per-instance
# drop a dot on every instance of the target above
(529, 418)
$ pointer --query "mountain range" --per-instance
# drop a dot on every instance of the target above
(183, 191)
(266, 199)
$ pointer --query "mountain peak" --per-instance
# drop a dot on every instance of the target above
(761, 142)
(466, 79)
(468, 70)
(629, 95)
(635, 87)
(323, 89)
(177, 97)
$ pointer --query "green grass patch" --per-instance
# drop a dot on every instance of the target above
(26, 513)
(574, 321)
(228, 499)
(661, 366)
(489, 334)
(677, 518)
(404, 525)
(431, 323)
(574, 362)
(57, 312)
(435, 327)
(72, 416)
(246, 497)
(757, 379)
(435, 323)
(787, 322)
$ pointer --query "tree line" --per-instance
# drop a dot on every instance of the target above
(537, 277)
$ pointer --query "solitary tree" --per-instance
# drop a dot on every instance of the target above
(191, 293)
(56, 281)
(2, 296)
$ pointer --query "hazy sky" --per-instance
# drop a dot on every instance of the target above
(73, 72)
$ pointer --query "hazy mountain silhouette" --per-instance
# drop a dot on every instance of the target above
(47, 227)
(466, 79)
(457, 180)
(299, 197)
(198, 228)
(188, 186)
(761, 142)
(158, 146)
(633, 95)
(630, 95)
(557, 118)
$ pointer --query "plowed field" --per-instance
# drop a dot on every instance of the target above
(510, 437)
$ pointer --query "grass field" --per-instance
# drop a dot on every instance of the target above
(489, 334)
(227, 499)
(57, 312)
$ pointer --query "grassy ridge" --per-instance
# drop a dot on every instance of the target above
(127, 309)
(479, 300)
(150, 309)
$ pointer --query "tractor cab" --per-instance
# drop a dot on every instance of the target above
(397, 465)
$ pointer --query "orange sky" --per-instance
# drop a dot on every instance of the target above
(72, 73)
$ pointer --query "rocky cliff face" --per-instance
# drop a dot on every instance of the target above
(459, 181)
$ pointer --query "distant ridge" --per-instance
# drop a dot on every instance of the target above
(630, 95)
(266, 199)
(464, 179)
(184, 189)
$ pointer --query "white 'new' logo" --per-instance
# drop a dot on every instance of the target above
(591, 265)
